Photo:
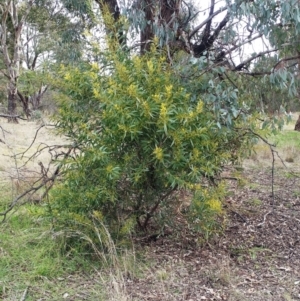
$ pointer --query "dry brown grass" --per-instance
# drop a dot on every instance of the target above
(16, 167)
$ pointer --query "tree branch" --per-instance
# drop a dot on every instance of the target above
(240, 66)
(197, 28)
(208, 41)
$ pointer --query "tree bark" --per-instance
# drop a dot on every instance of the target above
(147, 34)
(12, 102)
(114, 10)
(25, 103)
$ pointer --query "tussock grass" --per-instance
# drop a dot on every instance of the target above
(32, 261)
(27, 253)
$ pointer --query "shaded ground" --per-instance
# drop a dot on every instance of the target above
(257, 258)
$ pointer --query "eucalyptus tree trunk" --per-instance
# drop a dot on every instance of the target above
(11, 30)
(12, 98)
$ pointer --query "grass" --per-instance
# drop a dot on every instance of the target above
(31, 257)
(32, 261)
(28, 253)
(287, 139)
(287, 144)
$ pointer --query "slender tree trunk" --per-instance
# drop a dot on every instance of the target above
(36, 98)
(12, 55)
(25, 103)
(147, 33)
(12, 102)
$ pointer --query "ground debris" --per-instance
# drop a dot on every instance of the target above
(257, 258)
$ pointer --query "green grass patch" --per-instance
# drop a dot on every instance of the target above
(287, 144)
(30, 256)
(286, 139)
(32, 260)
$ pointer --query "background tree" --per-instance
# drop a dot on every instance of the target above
(12, 25)
(271, 96)
(34, 36)
(213, 37)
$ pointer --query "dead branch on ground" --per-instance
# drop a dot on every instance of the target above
(46, 177)
(13, 116)
(44, 181)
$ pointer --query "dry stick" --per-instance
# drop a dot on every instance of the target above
(34, 139)
(35, 189)
(265, 216)
(23, 298)
(35, 136)
(4, 131)
(273, 163)
(51, 147)
(15, 201)
(150, 213)
(12, 116)
(44, 177)
(55, 174)
(273, 167)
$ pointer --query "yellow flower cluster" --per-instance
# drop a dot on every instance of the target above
(98, 215)
(67, 76)
(195, 154)
(215, 205)
(199, 107)
(109, 169)
(196, 187)
(137, 63)
(158, 152)
(156, 98)
(122, 71)
(169, 91)
(132, 90)
(163, 113)
(150, 67)
(96, 93)
(146, 107)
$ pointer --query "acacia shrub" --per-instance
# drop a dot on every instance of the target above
(141, 136)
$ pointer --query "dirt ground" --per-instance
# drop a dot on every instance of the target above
(256, 258)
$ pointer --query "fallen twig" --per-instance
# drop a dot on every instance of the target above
(45, 180)
(265, 217)
(23, 298)
(13, 116)
(240, 216)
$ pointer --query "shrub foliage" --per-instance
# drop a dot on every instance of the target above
(141, 136)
